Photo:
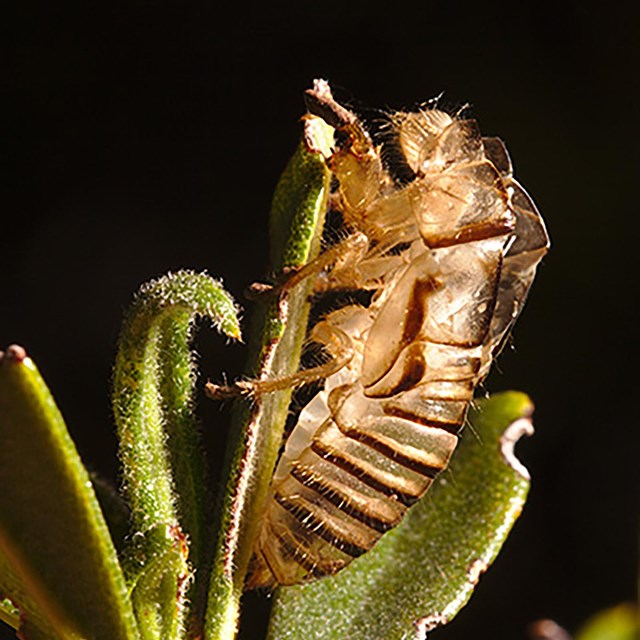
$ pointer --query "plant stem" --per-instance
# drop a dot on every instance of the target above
(297, 219)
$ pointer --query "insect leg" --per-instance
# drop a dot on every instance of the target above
(348, 252)
(335, 341)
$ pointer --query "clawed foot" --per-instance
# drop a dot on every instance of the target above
(226, 391)
(260, 291)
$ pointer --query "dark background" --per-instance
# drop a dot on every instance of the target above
(148, 137)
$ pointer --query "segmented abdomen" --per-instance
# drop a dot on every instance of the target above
(371, 442)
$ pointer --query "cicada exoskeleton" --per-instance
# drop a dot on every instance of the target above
(448, 256)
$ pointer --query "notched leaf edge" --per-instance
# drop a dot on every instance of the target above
(513, 433)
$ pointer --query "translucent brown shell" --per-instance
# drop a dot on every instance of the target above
(449, 259)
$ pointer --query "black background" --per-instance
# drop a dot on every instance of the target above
(147, 137)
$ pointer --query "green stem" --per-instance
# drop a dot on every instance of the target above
(297, 219)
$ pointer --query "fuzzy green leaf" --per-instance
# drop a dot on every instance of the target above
(297, 218)
(424, 571)
(164, 476)
(57, 560)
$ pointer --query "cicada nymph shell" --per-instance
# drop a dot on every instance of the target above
(449, 257)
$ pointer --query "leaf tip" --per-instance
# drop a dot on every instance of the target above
(513, 433)
(233, 331)
(14, 354)
(317, 136)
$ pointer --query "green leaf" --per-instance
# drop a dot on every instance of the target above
(424, 571)
(164, 475)
(297, 219)
(621, 622)
(57, 560)
(300, 199)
